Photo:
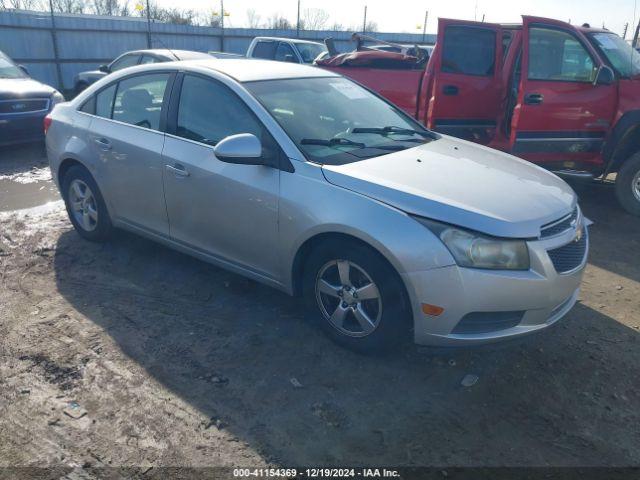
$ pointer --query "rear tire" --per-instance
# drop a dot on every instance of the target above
(628, 185)
(356, 297)
(85, 205)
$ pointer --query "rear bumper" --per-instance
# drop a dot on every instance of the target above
(539, 296)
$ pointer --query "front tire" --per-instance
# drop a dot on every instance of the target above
(628, 185)
(356, 297)
(85, 205)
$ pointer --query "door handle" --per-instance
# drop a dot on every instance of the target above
(103, 143)
(450, 90)
(178, 170)
(533, 99)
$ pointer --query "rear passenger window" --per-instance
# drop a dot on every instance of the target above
(104, 101)
(209, 111)
(469, 50)
(265, 50)
(139, 100)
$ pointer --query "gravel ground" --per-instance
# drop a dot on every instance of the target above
(130, 354)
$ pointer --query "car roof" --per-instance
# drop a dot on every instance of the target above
(284, 39)
(181, 54)
(250, 70)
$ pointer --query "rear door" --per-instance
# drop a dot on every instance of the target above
(466, 92)
(560, 114)
(127, 138)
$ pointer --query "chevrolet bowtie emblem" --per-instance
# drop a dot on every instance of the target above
(18, 106)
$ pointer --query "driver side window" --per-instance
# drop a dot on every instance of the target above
(556, 55)
(208, 112)
(124, 62)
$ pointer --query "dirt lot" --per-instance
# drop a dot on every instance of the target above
(128, 353)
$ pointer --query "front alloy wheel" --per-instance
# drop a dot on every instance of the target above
(348, 298)
(628, 184)
(354, 294)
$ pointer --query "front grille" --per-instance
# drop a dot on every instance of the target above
(559, 226)
(486, 322)
(19, 106)
(569, 256)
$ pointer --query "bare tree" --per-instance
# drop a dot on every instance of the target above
(253, 19)
(314, 19)
(277, 21)
(371, 26)
(69, 6)
(21, 4)
(105, 7)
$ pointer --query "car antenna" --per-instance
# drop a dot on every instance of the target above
(165, 46)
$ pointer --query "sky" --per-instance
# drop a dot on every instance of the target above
(407, 16)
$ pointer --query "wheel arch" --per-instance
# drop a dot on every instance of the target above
(623, 142)
(307, 247)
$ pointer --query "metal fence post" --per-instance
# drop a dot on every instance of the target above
(222, 25)
(148, 26)
(54, 43)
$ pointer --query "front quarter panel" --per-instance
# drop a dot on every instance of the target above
(309, 206)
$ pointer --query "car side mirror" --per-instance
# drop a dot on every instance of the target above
(290, 58)
(605, 76)
(242, 149)
(24, 69)
(104, 68)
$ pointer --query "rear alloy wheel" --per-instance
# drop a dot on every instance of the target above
(85, 205)
(628, 185)
(356, 297)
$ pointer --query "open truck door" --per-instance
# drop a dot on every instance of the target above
(465, 95)
(566, 99)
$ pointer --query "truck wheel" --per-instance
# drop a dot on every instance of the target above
(628, 185)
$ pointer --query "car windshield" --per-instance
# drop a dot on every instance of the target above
(335, 121)
(309, 51)
(622, 56)
(8, 69)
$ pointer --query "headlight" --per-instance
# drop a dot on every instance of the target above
(475, 250)
(56, 98)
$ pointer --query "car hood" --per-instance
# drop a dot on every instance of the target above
(463, 184)
(22, 88)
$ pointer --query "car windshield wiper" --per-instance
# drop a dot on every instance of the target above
(331, 142)
(390, 130)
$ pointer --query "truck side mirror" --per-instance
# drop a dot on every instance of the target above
(24, 69)
(605, 76)
(104, 68)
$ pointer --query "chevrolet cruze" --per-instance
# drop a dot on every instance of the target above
(304, 180)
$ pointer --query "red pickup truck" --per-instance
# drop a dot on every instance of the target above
(564, 97)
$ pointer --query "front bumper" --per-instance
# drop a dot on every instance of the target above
(23, 128)
(541, 295)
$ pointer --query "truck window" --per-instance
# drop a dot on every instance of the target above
(469, 50)
(285, 53)
(266, 50)
(556, 55)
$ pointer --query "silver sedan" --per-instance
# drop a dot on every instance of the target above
(302, 179)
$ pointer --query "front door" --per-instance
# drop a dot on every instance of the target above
(560, 115)
(127, 139)
(466, 94)
(224, 210)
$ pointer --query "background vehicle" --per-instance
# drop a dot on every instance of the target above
(385, 228)
(24, 102)
(129, 59)
(285, 49)
(565, 97)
